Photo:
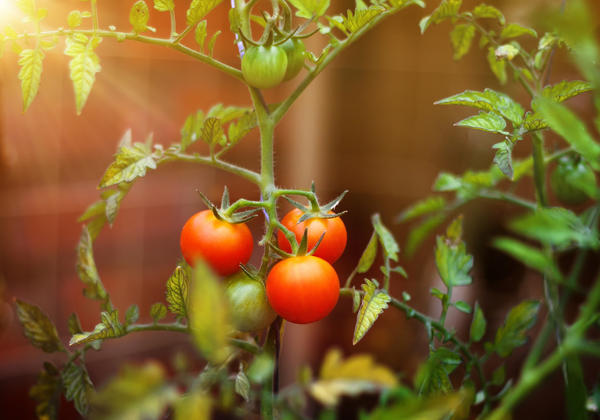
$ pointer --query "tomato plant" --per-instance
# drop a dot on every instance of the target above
(332, 229)
(572, 180)
(303, 289)
(264, 67)
(295, 53)
(223, 245)
(248, 305)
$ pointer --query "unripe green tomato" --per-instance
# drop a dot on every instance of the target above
(264, 67)
(295, 52)
(568, 178)
(249, 308)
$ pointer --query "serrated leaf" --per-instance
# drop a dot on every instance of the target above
(238, 129)
(571, 128)
(486, 121)
(46, 392)
(513, 30)
(30, 74)
(486, 11)
(478, 324)
(310, 9)
(463, 306)
(200, 8)
(158, 311)
(446, 9)
(38, 328)
(488, 100)
(86, 268)
(350, 377)
(432, 376)
(368, 256)
(110, 327)
(74, 324)
(566, 89)
(242, 385)
(130, 163)
(83, 67)
(177, 292)
(139, 16)
(78, 386)
(137, 392)
(132, 314)
(497, 66)
(419, 233)
(209, 316)
(200, 34)
(503, 157)
(373, 304)
(420, 208)
(164, 5)
(530, 256)
(388, 243)
(512, 333)
(353, 21)
(462, 38)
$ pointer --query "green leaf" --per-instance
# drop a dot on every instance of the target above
(158, 311)
(513, 30)
(353, 376)
(503, 157)
(131, 162)
(453, 262)
(78, 386)
(212, 132)
(418, 234)
(238, 129)
(534, 121)
(355, 300)
(310, 9)
(30, 74)
(74, 18)
(478, 324)
(571, 128)
(368, 256)
(461, 38)
(388, 243)
(212, 42)
(137, 392)
(531, 257)
(200, 8)
(486, 121)
(83, 66)
(177, 292)
(132, 314)
(497, 66)
(499, 375)
(462, 306)
(486, 11)
(200, 34)
(353, 21)
(209, 316)
(555, 226)
(139, 16)
(373, 303)
(74, 324)
(566, 89)
(432, 376)
(513, 333)
(46, 392)
(110, 327)
(446, 9)
(164, 5)
(38, 328)
(488, 100)
(507, 51)
(86, 268)
(242, 385)
(420, 208)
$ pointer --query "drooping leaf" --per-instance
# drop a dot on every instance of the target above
(512, 333)
(486, 11)
(78, 386)
(110, 327)
(462, 38)
(498, 66)
(478, 324)
(368, 256)
(503, 157)
(38, 328)
(83, 66)
(432, 376)
(429, 205)
(137, 392)
(46, 392)
(352, 376)
(139, 16)
(30, 74)
(177, 292)
(242, 385)
(388, 243)
(86, 268)
(486, 121)
(452, 261)
(200, 8)
(513, 30)
(130, 163)
(373, 304)
(446, 9)
(209, 316)
(310, 9)
(531, 257)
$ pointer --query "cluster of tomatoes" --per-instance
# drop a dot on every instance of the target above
(265, 67)
(300, 289)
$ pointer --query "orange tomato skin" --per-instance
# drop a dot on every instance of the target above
(333, 244)
(224, 246)
(303, 289)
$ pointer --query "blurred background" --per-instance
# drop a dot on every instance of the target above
(368, 124)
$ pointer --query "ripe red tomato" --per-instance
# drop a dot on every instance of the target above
(333, 243)
(248, 305)
(224, 246)
(303, 289)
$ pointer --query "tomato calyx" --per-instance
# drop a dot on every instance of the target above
(316, 210)
(224, 212)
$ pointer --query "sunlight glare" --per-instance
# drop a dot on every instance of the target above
(8, 13)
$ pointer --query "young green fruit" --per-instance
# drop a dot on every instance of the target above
(573, 181)
(295, 52)
(248, 305)
(264, 67)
